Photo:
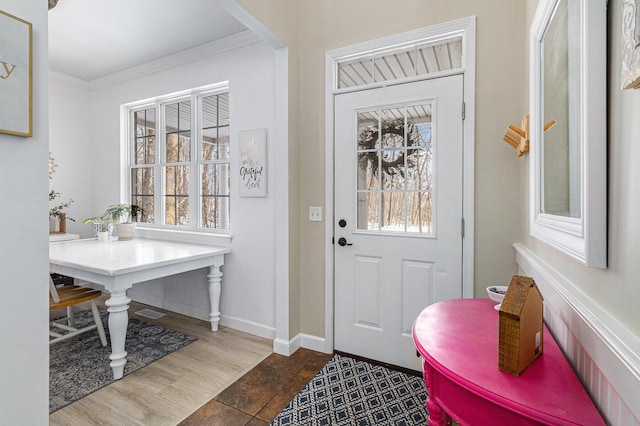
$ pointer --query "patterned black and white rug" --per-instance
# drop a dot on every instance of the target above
(351, 392)
(80, 365)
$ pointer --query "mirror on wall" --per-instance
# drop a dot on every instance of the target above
(568, 160)
(561, 149)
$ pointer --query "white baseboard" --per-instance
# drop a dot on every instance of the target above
(280, 346)
(286, 348)
(305, 341)
(246, 326)
(313, 343)
(603, 353)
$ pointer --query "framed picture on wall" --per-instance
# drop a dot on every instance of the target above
(15, 76)
(630, 44)
(253, 162)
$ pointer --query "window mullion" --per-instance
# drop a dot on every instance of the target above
(159, 182)
(405, 143)
(379, 166)
(194, 175)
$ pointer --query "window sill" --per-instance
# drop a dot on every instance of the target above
(183, 236)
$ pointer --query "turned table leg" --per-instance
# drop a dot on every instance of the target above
(214, 278)
(118, 304)
(437, 416)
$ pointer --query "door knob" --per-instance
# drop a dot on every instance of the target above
(343, 242)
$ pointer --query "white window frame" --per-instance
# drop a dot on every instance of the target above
(194, 231)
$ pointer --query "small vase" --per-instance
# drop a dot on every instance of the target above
(103, 236)
(62, 220)
(53, 223)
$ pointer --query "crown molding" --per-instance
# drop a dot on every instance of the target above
(69, 80)
(216, 47)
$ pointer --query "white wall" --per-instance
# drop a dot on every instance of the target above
(69, 134)
(24, 245)
(593, 312)
(93, 154)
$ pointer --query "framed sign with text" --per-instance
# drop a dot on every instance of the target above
(253, 162)
(15, 76)
(630, 44)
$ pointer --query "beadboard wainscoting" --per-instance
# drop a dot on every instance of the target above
(602, 352)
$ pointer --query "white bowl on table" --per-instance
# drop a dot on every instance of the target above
(496, 293)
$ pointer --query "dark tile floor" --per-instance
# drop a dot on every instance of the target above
(258, 396)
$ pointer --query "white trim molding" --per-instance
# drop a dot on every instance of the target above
(604, 354)
(584, 237)
(281, 137)
(465, 27)
(183, 236)
(307, 341)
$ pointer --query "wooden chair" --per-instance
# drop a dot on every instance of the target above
(67, 297)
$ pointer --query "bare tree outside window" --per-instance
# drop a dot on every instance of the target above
(214, 169)
(142, 175)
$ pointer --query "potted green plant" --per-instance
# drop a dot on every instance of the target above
(124, 218)
(57, 218)
(101, 225)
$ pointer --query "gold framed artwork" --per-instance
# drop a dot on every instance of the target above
(15, 76)
(630, 44)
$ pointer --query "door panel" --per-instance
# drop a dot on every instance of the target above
(398, 175)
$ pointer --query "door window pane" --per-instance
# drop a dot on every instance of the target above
(394, 181)
(419, 206)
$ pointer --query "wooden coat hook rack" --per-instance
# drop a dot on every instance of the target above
(518, 137)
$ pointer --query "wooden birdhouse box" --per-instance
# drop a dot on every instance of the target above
(520, 326)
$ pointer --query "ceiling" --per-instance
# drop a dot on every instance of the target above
(89, 39)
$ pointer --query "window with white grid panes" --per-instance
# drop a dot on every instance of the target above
(395, 169)
(180, 162)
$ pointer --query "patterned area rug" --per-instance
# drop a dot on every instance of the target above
(80, 365)
(351, 392)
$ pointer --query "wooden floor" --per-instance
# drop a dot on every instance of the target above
(258, 396)
(212, 381)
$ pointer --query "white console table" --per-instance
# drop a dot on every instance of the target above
(118, 265)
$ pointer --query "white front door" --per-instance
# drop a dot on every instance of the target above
(398, 213)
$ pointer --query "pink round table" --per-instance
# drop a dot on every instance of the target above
(458, 340)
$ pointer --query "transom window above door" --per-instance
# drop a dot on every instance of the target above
(418, 58)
